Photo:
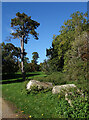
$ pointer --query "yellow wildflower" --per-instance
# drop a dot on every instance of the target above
(42, 114)
(22, 111)
(16, 115)
(30, 116)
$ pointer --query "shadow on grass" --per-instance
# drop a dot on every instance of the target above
(15, 78)
(13, 81)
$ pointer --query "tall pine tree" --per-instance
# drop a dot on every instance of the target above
(23, 25)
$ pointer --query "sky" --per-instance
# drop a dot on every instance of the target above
(50, 15)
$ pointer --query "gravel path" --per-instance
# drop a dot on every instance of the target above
(7, 110)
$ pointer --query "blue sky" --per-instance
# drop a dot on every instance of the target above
(50, 15)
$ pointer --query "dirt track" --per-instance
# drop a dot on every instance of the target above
(7, 110)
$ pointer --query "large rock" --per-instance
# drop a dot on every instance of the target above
(59, 88)
(39, 85)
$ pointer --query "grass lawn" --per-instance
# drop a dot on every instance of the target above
(43, 104)
(36, 105)
(17, 77)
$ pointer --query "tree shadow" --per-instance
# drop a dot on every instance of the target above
(15, 78)
(13, 81)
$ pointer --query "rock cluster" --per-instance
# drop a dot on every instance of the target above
(45, 85)
(55, 89)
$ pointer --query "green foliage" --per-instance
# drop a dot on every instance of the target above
(44, 66)
(55, 78)
(10, 55)
(76, 61)
(33, 66)
(23, 26)
(35, 57)
(30, 67)
(79, 109)
(62, 43)
(70, 51)
(26, 66)
(36, 90)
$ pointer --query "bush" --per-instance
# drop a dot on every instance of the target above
(56, 78)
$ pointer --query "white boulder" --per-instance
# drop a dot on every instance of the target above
(59, 88)
(38, 84)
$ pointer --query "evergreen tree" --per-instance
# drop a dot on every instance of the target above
(23, 26)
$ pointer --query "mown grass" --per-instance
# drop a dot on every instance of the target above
(10, 78)
(45, 104)
(36, 105)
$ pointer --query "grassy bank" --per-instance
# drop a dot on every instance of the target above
(44, 104)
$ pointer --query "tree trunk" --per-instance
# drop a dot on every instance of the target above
(19, 63)
(22, 58)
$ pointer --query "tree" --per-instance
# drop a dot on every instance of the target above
(45, 66)
(26, 64)
(35, 57)
(77, 60)
(9, 58)
(23, 26)
(34, 61)
(71, 29)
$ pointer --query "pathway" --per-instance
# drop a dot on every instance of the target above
(7, 110)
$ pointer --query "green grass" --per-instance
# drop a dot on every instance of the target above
(18, 77)
(32, 104)
(45, 104)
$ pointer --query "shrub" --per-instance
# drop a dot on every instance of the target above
(56, 78)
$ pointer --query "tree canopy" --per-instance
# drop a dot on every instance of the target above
(23, 26)
(10, 55)
(35, 57)
(71, 29)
